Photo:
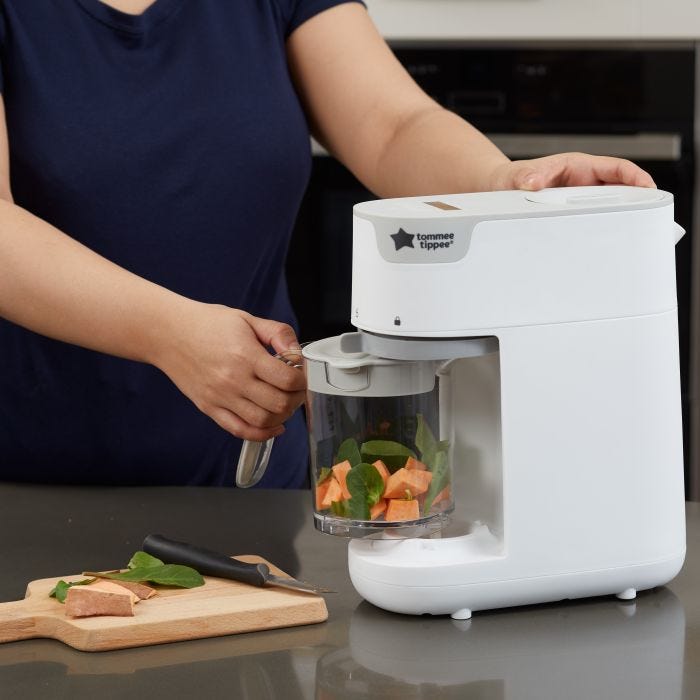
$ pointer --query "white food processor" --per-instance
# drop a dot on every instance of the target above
(517, 359)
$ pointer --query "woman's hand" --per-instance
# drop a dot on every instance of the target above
(218, 357)
(565, 170)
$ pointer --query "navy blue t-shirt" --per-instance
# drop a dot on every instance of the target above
(172, 143)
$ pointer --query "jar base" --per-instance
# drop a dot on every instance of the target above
(345, 527)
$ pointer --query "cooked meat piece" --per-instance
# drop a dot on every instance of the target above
(86, 601)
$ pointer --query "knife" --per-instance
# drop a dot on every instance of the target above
(211, 563)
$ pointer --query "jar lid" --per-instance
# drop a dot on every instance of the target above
(335, 366)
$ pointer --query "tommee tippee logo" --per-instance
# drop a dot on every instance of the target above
(402, 239)
(427, 241)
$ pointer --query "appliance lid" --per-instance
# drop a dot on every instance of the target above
(514, 204)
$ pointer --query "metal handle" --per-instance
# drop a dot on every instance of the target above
(254, 456)
(252, 462)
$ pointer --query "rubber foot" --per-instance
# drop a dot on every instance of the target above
(627, 594)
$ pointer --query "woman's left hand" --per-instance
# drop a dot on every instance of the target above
(565, 170)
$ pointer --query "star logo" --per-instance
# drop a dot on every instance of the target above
(402, 239)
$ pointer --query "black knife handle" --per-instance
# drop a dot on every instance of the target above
(205, 561)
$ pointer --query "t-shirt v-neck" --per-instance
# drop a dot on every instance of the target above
(154, 14)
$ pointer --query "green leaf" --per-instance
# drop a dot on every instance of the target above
(340, 508)
(60, 590)
(349, 451)
(425, 440)
(365, 483)
(323, 475)
(427, 444)
(441, 475)
(357, 508)
(164, 574)
(141, 559)
(393, 454)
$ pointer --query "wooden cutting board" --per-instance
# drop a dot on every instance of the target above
(217, 608)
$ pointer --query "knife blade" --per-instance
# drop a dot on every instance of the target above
(210, 563)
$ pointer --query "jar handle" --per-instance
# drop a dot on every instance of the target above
(252, 462)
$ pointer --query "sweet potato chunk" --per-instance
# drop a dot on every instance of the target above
(140, 590)
(377, 509)
(412, 463)
(321, 491)
(103, 584)
(333, 493)
(340, 471)
(413, 481)
(383, 471)
(87, 601)
(400, 509)
(444, 495)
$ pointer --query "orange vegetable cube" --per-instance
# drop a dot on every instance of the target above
(422, 479)
(414, 481)
(321, 490)
(383, 471)
(333, 493)
(340, 471)
(400, 509)
(412, 463)
(444, 495)
(377, 509)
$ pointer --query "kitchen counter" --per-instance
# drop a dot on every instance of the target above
(597, 648)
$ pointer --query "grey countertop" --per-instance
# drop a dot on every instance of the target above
(597, 648)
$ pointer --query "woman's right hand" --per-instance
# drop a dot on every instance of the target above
(218, 357)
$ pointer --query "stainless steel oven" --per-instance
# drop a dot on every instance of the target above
(634, 101)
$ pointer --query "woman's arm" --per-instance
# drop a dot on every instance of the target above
(369, 113)
(216, 355)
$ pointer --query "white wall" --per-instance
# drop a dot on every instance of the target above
(537, 19)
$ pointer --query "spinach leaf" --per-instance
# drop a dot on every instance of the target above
(357, 508)
(60, 590)
(427, 444)
(163, 574)
(323, 475)
(393, 454)
(340, 508)
(425, 440)
(440, 479)
(349, 451)
(141, 559)
(365, 483)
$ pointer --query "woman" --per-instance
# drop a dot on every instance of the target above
(158, 151)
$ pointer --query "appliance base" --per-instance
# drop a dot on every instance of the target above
(460, 601)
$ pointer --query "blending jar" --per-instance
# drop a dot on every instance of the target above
(380, 462)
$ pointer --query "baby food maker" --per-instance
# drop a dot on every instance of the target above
(516, 358)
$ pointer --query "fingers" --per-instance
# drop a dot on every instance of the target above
(255, 414)
(280, 336)
(239, 428)
(279, 374)
(572, 169)
(619, 171)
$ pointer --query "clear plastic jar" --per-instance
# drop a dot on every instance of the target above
(379, 461)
